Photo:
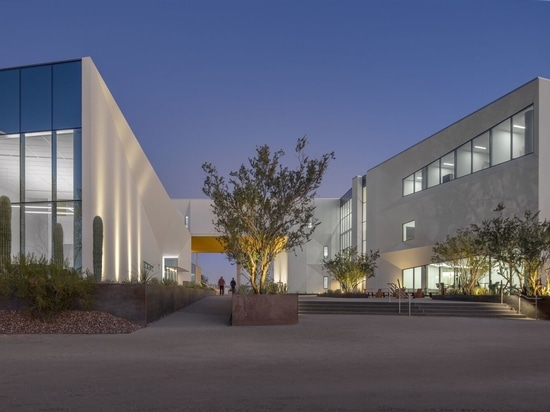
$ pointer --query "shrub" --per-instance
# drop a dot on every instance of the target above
(339, 294)
(244, 290)
(169, 282)
(276, 288)
(44, 288)
(479, 290)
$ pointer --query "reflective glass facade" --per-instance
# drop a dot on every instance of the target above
(506, 141)
(346, 220)
(40, 152)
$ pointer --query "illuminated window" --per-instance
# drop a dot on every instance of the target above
(507, 140)
(408, 230)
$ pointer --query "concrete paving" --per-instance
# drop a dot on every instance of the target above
(193, 360)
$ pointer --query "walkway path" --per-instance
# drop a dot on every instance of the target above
(193, 361)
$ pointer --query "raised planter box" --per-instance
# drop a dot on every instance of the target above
(256, 310)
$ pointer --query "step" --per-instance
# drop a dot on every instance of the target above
(417, 308)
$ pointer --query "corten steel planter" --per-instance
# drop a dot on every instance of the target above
(256, 310)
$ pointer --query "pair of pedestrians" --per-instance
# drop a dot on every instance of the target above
(221, 284)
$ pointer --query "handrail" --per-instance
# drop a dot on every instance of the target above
(394, 289)
(535, 298)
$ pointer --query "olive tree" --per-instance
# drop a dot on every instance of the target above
(349, 268)
(533, 244)
(500, 237)
(467, 254)
(265, 208)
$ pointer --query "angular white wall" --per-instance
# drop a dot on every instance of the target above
(440, 210)
(305, 272)
(119, 184)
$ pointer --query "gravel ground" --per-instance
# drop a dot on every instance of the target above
(70, 322)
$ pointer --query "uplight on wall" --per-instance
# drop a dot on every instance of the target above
(325, 252)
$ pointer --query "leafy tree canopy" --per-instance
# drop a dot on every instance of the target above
(518, 247)
(350, 268)
(265, 208)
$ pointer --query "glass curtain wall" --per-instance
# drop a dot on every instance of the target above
(40, 148)
(346, 220)
(412, 278)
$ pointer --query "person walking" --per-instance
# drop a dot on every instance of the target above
(233, 285)
(221, 284)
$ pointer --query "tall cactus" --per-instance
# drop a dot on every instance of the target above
(97, 251)
(5, 229)
(58, 244)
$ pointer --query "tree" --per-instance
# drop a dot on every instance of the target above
(499, 235)
(265, 208)
(350, 268)
(467, 254)
(533, 243)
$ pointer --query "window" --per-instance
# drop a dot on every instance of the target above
(480, 152)
(9, 101)
(432, 281)
(433, 174)
(522, 133)
(36, 98)
(67, 95)
(38, 166)
(346, 220)
(501, 143)
(408, 185)
(9, 152)
(170, 268)
(412, 278)
(508, 140)
(419, 180)
(65, 164)
(42, 161)
(448, 167)
(464, 160)
(408, 230)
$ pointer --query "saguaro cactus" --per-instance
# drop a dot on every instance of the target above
(97, 251)
(58, 245)
(5, 229)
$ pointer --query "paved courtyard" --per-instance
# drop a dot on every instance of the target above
(193, 361)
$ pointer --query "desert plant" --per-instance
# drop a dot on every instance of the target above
(244, 290)
(97, 248)
(46, 289)
(5, 229)
(58, 244)
(276, 288)
(169, 282)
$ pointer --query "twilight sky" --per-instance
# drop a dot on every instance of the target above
(209, 80)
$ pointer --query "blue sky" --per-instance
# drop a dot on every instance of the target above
(209, 80)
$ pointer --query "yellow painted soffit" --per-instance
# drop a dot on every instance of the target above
(205, 244)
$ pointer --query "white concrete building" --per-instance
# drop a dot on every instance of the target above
(457, 177)
(68, 155)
